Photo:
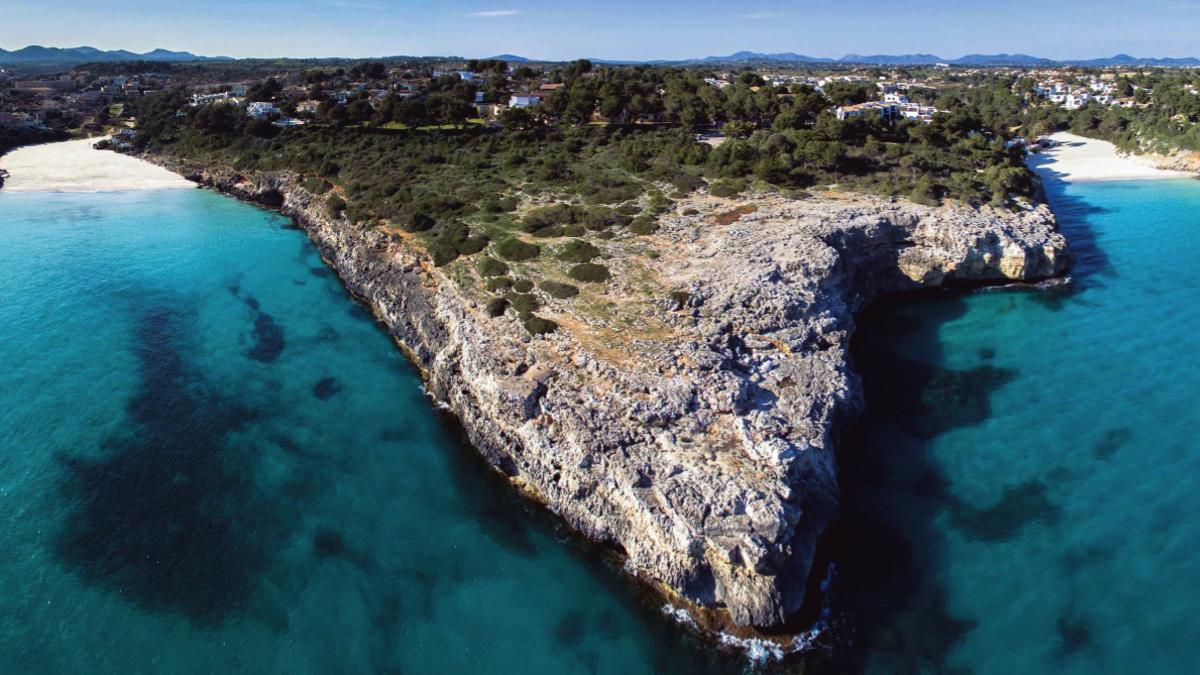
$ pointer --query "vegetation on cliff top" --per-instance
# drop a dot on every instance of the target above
(549, 190)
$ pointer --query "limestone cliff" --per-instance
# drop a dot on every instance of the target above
(686, 412)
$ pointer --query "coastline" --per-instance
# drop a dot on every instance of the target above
(73, 166)
(467, 362)
(1077, 159)
(741, 519)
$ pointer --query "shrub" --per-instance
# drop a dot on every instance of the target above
(679, 299)
(317, 185)
(690, 212)
(589, 272)
(686, 182)
(523, 286)
(500, 204)
(643, 225)
(442, 253)
(552, 231)
(418, 222)
(523, 302)
(536, 325)
(499, 284)
(490, 267)
(574, 230)
(336, 205)
(577, 251)
(517, 250)
(924, 192)
(496, 307)
(548, 216)
(725, 188)
(657, 204)
(560, 290)
(471, 245)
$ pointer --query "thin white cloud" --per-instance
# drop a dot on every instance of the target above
(494, 13)
(760, 15)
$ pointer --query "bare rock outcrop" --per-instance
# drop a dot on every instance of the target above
(686, 412)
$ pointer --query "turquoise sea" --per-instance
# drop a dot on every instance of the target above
(213, 460)
(1023, 494)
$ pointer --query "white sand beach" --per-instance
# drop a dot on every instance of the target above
(1076, 159)
(74, 166)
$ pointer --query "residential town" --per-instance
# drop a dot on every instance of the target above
(89, 99)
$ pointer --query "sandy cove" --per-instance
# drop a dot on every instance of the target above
(1076, 159)
(74, 166)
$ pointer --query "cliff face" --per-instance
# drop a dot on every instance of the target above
(687, 411)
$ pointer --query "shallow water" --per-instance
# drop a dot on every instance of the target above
(1021, 496)
(214, 461)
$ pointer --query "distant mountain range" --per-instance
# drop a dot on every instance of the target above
(65, 56)
(39, 55)
(1024, 60)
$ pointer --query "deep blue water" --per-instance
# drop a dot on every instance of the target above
(1022, 496)
(214, 461)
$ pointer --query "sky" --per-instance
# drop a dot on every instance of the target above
(611, 29)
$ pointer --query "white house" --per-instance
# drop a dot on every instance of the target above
(523, 100)
(261, 110)
(888, 111)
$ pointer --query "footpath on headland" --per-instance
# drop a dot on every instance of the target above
(74, 166)
(1077, 159)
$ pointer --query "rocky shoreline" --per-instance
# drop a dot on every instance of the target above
(697, 438)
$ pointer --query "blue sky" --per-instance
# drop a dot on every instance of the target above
(645, 29)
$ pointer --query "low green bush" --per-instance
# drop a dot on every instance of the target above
(560, 290)
(523, 286)
(317, 185)
(577, 251)
(499, 284)
(496, 307)
(336, 205)
(442, 253)
(589, 272)
(552, 231)
(490, 267)
(471, 245)
(418, 222)
(523, 302)
(536, 325)
(517, 250)
(549, 216)
(725, 188)
(643, 225)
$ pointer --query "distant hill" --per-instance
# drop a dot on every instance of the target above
(1023, 60)
(39, 55)
(893, 60)
(1127, 60)
(788, 57)
(970, 60)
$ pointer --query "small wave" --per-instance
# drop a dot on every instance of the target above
(680, 616)
(437, 402)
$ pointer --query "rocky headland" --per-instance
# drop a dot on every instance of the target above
(686, 413)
